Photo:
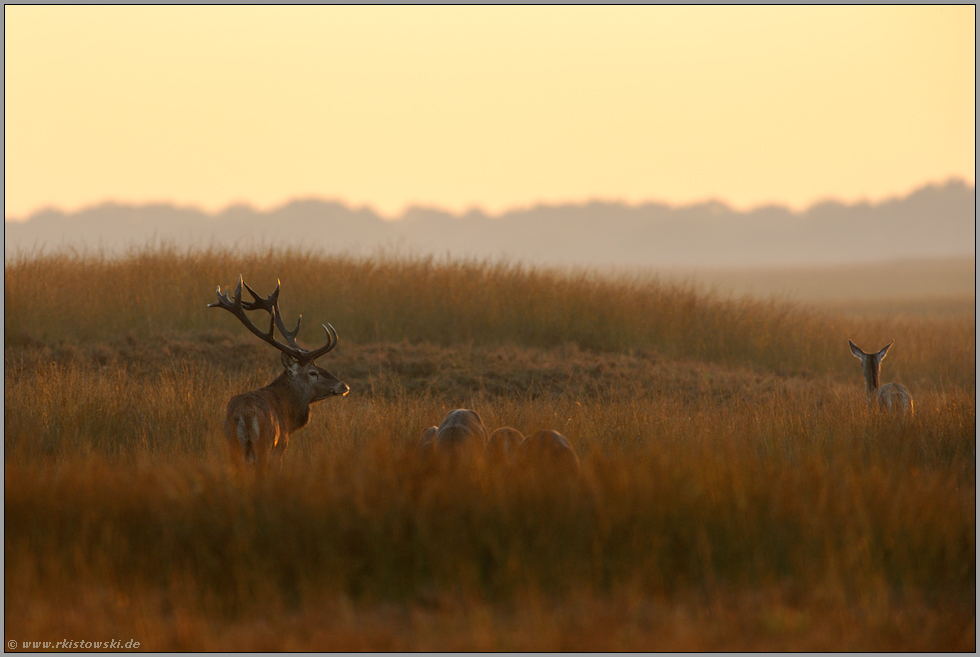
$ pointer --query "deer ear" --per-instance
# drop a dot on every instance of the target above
(290, 363)
(881, 354)
(856, 350)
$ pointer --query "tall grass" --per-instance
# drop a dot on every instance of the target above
(836, 507)
(58, 411)
(770, 492)
(389, 299)
(675, 493)
(730, 464)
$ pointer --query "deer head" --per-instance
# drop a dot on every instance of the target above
(312, 383)
(870, 363)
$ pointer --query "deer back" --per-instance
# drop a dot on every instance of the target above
(549, 450)
(503, 444)
(895, 398)
(461, 426)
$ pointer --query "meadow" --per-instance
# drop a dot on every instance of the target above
(736, 491)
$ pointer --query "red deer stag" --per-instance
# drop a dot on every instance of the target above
(258, 423)
(895, 397)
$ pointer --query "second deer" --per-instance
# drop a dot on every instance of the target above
(894, 397)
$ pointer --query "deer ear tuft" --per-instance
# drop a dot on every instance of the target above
(289, 362)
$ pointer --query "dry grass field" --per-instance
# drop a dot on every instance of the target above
(736, 492)
(919, 287)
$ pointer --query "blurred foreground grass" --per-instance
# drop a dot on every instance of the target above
(735, 491)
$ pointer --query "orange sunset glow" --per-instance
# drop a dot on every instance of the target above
(489, 107)
(595, 303)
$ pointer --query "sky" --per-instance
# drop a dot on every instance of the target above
(493, 108)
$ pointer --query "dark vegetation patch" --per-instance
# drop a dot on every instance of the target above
(388, 369)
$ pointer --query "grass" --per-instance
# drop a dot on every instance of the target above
(729, 498)
(48, 299)
(952, 280)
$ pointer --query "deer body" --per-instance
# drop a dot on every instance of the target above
(550, 449)
(893, 397)
(503, 444)
(258, 423)
(461, 431)
(459, 427)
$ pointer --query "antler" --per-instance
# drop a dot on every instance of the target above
(270, 304)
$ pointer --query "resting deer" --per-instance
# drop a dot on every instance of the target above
(503, 444)
(893, 396)
(258, 423)
(550, 449)
(461, 430)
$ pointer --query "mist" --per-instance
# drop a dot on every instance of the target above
(935, 221)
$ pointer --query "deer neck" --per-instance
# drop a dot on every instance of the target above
(871, 373)
(293, 406)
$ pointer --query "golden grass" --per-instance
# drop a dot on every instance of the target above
(727, 500)
(892, 281)
(86, 298)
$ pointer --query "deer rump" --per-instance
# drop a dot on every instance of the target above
(504, 444)
(551, 450)
(252, 419)
(461, 429)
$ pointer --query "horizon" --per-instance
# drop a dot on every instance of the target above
(496, 108)
(401, 215)
(933, 221)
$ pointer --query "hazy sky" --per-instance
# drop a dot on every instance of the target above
(496, 107)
